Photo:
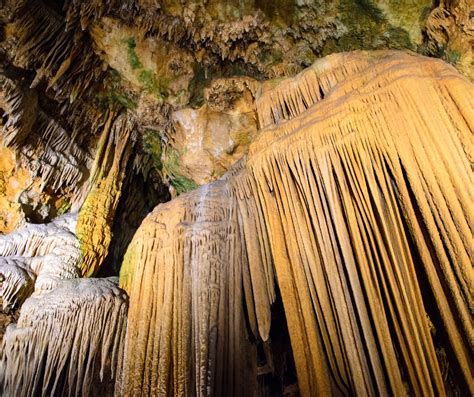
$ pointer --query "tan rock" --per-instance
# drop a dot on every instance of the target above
(355, 199)
(209, 141)
(450, 34)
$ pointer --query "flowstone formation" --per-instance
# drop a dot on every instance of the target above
(196, 334)
(284, 189)
(354, 200)
(72, 337)
(37, 257)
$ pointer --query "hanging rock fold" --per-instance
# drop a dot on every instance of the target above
(355, 200)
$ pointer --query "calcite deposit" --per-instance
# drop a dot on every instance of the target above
(72, 336)
(225, 198)
(355, 203)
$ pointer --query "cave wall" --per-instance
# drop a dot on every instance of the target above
(306, 183)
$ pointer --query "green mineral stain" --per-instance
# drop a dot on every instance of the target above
(133, 59)
(146, 77)
(367, 29)
(181, 183)
(152, 146)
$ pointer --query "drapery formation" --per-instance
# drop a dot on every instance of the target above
(187, 297)
(356, 199)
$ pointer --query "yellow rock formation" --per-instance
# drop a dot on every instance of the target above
(356, 199)
(13, 182)
(95, 218)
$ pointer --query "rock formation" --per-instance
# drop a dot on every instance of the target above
(356, 203)
(37, 257)
(71, 336)
(284, 188)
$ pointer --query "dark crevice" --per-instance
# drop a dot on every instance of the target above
(276, 365)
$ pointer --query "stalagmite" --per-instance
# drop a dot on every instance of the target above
(356, 198)
(65, 339)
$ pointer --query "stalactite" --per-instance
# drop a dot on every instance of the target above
(59, 53)
(88, 11)
(37, 257)
(292, 96)
(50, 151)
(65, 339)
(19, 104)
(348, 186)
(357, 190)
(106, 177)
(54, 156)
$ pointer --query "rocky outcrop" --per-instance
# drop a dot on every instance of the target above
(207, 141)
(14, 181)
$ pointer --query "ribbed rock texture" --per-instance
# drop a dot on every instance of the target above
(316, 236)
(187, 297)
(355, 197)
(71, 337)
(36, 257)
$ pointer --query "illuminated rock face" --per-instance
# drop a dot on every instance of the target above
(209, 140)
(187, 298)
(319, 236)
(355, 200)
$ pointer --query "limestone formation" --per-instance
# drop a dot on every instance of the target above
(14, 180)
(97, 212)
(36, 258)
(187, 295)
(450, 34)
(284, 186)
(208, 141)
(72, 336)
(355, 200)
(380, 222)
